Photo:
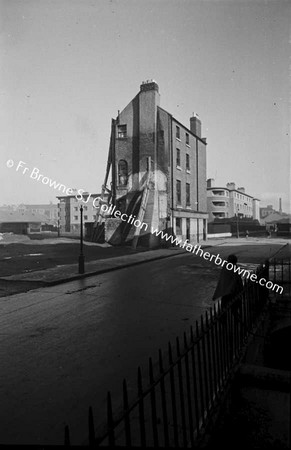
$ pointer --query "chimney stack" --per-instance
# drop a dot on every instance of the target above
(280, 205)
(195, 125)
(149, 85)
(231, 186)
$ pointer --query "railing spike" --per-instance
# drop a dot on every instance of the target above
(160, 361)
(67, 436)
(178, 346)
(185, 341)
(191, 334)
(170, 353)
(110, 421)
(151, 373)
(91, 427)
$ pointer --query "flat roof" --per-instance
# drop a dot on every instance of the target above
(231, 190)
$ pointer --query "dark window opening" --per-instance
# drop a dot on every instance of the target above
(187, 161)
(178, 157)
(122, 131)
(178, 190)
(122, 172)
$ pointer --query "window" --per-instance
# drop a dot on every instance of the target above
(216, 203)
(178, 191)
(75, 217)
(187, 161)
(178, 225)
(122, 172)
(188, 194)
(178, 158)
(122, 131)
(177, 132)
(85, 217)
(76, 208)
(222, 193)
(187, 139)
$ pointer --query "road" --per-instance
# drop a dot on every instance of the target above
(62, 348)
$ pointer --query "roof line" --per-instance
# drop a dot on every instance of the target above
(180, 123)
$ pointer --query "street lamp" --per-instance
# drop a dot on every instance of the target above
(237, 228)
(81, 257)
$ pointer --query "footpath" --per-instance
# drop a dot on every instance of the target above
(70, 272)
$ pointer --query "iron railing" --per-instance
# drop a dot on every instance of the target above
(280, 271)
(174, 404)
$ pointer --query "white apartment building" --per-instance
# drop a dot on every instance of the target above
(229, 201)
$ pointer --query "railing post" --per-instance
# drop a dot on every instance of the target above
(195, 382)
(110, 422)
(188, 387)
(164, 403)
(67, 436)
(181, 391)
(126, 415)
(153, 404)
(141, 409)
(173, 397)
(201, 387)
(203, 334)
(92, 440)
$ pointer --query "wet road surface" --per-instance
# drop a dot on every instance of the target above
(62, 348)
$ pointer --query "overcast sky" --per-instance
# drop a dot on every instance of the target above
(67, 66)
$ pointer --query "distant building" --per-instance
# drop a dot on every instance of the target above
(159, 169)
(284, 226)
(272, 219)
(49, 212)
(18, 222)
(69, 211)
(229, 201)
(266, 210)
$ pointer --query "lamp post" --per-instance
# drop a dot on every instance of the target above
(81, 257)
(237, 227)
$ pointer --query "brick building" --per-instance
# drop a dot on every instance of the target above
(152, 150)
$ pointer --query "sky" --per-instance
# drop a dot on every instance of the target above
(68, 66)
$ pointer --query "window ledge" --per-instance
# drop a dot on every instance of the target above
(188, 145)
(179, 206)
(188, 170)
(178, 167)
(178, 139)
